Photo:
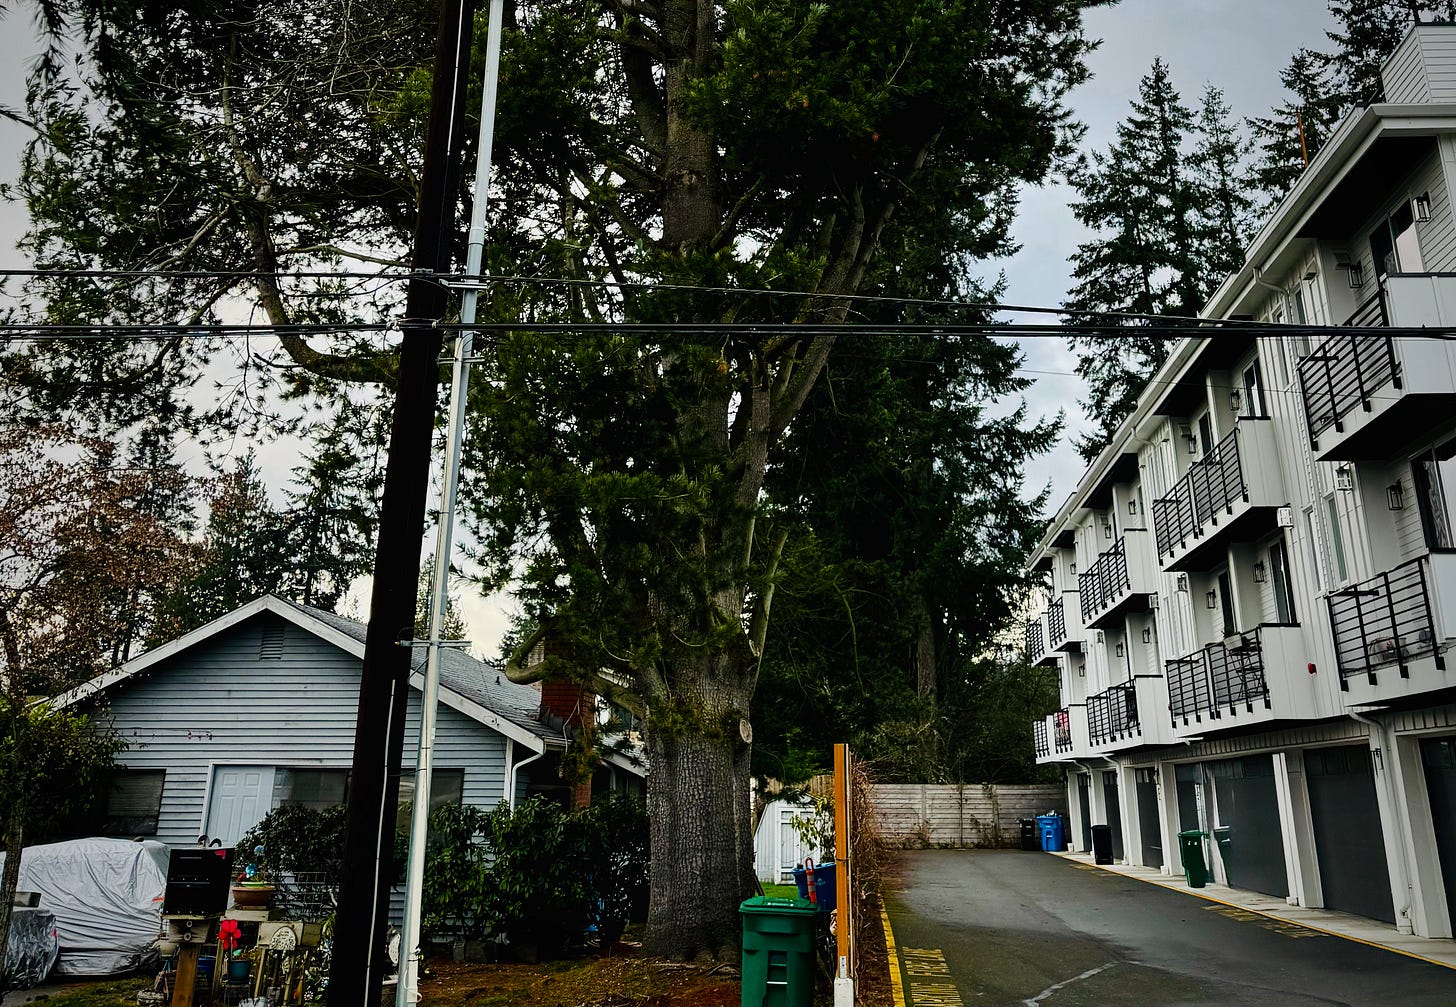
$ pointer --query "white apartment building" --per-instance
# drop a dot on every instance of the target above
(1252, 591)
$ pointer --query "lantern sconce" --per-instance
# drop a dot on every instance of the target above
(1261, 572)
(1236, 400)
(1107, 529)
(1395, 496)
(1421, 207)
(1147, 634)
(1212, 598)
(1119, 648)
(1132, 507)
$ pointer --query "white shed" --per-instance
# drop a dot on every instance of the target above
(777, 845)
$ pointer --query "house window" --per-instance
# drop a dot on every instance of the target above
(1339, 568)
(1312, 539)
(310, 788)
(1432, 472)
(447, 786)
(1280, 583)
(134, 803)
(1253, 391)
(1394, 246)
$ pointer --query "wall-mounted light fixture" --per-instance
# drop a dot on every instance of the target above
(1132, 507)
(1193, 445)
(1421, 207)
(1357, 275)
(1395, 496)
(1119, 648)
(1107, 529)
(1147, 634)
(1081, 671)
(1344, 477)
(1072, 569)
(1100, 637)
(1212, 598)
(1236, 400)
(1261, 572)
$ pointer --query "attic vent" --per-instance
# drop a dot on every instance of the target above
(272, 646)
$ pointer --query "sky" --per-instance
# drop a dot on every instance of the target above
(1236, 45)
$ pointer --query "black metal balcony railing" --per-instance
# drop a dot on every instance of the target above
(1035, 647)
(1062, 730)
(1056, 622)
(1344, 370)
(1219, 677)
(1106, 582)
(1039, 738)
(1212, 485)
(1113, 715)
(1382, 621)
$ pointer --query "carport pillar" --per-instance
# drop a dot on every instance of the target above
(1074, 806)
(1132, 843)
(1168, 824)
(1429, 914)
(1301, 864)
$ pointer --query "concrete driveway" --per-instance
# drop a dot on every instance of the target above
(998, 927)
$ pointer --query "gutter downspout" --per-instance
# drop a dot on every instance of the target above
(1382, 734)
(1259, 279)
(511, 777)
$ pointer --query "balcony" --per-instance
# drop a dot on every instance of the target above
(1391, 631)
(1233, 491)
(1248, 678)
(1039, 738)
(1061, 723)
(1363, 392)
(1112, 717)
(1035, 641)
(1064, 624)
(1120, 581)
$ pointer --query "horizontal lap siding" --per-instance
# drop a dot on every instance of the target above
(219, 702)
(973, 815)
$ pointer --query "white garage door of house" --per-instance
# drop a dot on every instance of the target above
(241, 796)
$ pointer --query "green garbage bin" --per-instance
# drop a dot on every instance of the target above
(778, 952)
(1190, 845)
(1221, 836)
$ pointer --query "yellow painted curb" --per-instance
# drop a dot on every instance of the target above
(1270, 916)
(897, 985)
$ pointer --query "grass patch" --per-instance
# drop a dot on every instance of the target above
(781, 891)
(98, 993)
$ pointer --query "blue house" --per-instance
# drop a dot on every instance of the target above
(257, 709)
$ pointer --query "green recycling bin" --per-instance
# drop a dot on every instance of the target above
(1190, 845)
(778, 952)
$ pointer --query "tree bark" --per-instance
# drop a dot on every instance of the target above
(14, 835)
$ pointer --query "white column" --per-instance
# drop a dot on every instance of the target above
(1132, 837)
(1168, 818)
(1425, 899)
(1296, 823)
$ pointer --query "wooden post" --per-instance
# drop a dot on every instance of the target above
(844, 865)
(186, 975)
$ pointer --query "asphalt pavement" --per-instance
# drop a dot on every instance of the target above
(994, 927)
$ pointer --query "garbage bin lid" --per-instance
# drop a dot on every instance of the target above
(1222, 832)
(1193, 834)
(777, 905)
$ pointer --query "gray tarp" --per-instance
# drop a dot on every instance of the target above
(33, 947)
(106, 895)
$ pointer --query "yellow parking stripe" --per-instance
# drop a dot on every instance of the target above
(897, 985)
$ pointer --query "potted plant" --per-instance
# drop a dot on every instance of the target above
(251, 888)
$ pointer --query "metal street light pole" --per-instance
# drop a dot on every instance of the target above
(409, 961)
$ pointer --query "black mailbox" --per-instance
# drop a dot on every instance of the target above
(198, 881)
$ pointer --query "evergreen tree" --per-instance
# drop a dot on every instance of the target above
(1368, 32)
(1147, 254)
(1225, 205)
(1291, 135)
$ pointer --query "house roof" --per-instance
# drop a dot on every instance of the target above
(469, 686)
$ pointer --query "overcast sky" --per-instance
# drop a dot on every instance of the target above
(1236, 45)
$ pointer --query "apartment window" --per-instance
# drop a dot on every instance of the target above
(1312, 540)
(1340, 570)
(1432, 472)
(1394, 246)
(134, 803)
(1253, 391)
(447, 786)
(1280, 583)
(309, 788)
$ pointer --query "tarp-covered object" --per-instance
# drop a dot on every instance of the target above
(33, 948)
(106, 895)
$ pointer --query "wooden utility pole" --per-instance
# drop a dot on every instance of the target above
(359, 961)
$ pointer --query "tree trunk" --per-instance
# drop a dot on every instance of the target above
(14, 834)
(702, 846)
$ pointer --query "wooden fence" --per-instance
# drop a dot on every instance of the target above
(961, 815)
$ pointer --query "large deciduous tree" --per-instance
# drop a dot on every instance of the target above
(672, 144)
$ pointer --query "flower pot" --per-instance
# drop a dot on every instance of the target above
(252, 896)
(237, 970)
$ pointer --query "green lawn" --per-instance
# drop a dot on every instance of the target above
(781, 891)
(101, 993)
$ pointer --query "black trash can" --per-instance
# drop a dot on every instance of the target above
(1030, 834)
(1223, 836)
(1102, 844)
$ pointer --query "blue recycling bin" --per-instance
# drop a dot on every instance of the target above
(825, 892)
(1053, 833)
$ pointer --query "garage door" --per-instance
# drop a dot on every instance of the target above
(1084, 801)
(1348, 840)
(1148, 824)
(1439, 756)
(1114, 813)
(1249, 808)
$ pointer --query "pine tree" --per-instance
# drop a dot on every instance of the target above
(1294, 131)
(1226, 206)
(1146, 212)
(1369, 32)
